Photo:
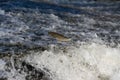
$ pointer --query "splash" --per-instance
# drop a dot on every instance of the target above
(86, 62)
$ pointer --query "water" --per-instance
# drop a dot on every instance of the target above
(97, 62)
(27, 52)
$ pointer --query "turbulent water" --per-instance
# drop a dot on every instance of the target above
(28, 52)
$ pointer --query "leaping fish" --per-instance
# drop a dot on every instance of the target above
(58, 36)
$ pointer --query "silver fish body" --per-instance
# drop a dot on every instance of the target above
(58, 36)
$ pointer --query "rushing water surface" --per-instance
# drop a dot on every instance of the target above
(28, 52)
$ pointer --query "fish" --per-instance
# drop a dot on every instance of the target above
(58, 36)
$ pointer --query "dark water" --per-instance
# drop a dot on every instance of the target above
(105, 14)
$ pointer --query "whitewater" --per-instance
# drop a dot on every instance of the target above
(28, 52)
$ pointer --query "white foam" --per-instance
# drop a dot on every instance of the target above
(115, 76)
(2, 64)
(16, 77)
(2, 12)
(2, 68)
(14, 74)
(84, 63)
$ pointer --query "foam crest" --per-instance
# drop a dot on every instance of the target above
(88, 62)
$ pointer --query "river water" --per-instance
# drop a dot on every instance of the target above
(28, 52)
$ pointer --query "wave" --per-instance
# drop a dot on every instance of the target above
(85, 62)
